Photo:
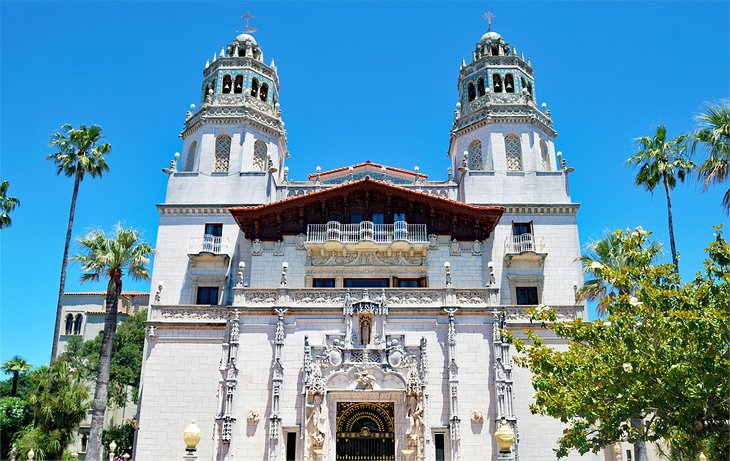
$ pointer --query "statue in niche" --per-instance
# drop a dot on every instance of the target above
(365, 330)
(316, 422)
(257, 248)
(415, 417)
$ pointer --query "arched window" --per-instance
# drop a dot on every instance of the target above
(480, 86)
(238, 85)
(190, 159)
(495, 50)
(69, 324)
(475, 155)
(509, 83)
(259, 155)
(264, 91)
(513, 151)
(222, 154)
(205, 90)
(242, 51)
(544, 155)
(529, 90)
(255, 87)
(226, 84)
(470, 91)
(77, 324)
(497, 82)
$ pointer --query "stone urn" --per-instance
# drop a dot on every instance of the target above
(191, 436)
(505, 436)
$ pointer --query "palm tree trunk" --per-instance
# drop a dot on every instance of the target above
(14, 390)
(64, 263)
(114, 289)
(671, 227)
(640, 453)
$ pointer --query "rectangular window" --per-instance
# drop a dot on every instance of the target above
(519, 228)
(216, 230)
(526, 296)
(628, 455)
(367, 283)
(291, 446)
(355, 218)
(378, 218)
(323, 283)
(409, 282)
(439, 442)
(207, 295)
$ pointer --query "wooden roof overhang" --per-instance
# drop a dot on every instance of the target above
(366, 196)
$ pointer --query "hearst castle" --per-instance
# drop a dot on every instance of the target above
(356, 314)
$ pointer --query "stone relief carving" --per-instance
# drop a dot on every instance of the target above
(257, 248)
(477, 417)
(299, 241)
(476, 248)
(366, 258)
(433, 241)
(278, 248)
(454, 247)
(253, 416)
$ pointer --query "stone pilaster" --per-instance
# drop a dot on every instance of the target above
(454, 421)
(275, 445)
(227, 389)
(503, 380)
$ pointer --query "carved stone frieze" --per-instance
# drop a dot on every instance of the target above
(366, 258)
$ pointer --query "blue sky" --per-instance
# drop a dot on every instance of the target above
(359, 80)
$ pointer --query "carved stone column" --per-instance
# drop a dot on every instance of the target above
(276, 381)
(454, 421)
(503, 380)
(227, 388)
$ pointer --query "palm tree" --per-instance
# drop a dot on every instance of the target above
(662, 161)
(610, 253)
(110, 257)
(714, 135)
(79, 153)
(16, 365)
(7, 204)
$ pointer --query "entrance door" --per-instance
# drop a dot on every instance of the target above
(365, 431)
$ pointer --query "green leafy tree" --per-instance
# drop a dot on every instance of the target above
(609, 252)
(126, 363)
(23, 386)
(7, 205)
(714, 135)
(16, 366)
(80, 153)
(109, 257)
(662, 161)
(662, 355)
(15, 414)
(59, 403)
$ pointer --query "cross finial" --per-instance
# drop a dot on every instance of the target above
(489, 16)
(247, 18)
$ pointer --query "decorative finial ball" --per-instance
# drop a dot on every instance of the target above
(458, 105)
(160, 283)
(177, 155)
(113, 446)
(192, 107)
(75, 455)
(416, 169)
(284, 265)
(575, 285)
(241, 265)
(447, 265)
(31, 454)
(544, 106)
(350, 169)
(126, 456)
(191, 436)
(490, 264)
(286, 168)
(560, 153)
(210, 91)
(277, 105)
(318, 169)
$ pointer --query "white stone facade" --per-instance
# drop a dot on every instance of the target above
(271, 338)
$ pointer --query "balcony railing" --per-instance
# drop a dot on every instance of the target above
(209, 244)
(366, 231)
(516, 244)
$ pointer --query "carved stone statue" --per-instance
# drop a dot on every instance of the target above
(364, 379)
(414, 416)
(316, 421)
(253, 416)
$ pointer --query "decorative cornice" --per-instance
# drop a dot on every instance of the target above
(174, 209)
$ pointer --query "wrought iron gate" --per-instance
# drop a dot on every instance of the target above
(365, 431)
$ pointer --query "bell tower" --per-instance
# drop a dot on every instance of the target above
(234, 144)
(502, 145)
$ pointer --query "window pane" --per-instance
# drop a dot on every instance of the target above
(214, 229)
(526, 295)
(378, 218)
(207, 295)
(291, 446)
(399, 217)
(439, 445)
(366, 283)
(520, 228)
(323, 283)
(355, 218)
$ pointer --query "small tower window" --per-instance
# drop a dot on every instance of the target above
(497, 82)
(544, 155)
(69, 324)
(523, 82)
(529, 90)
(264, 91)
(238, 85)
(480, 86)
(471, 91)
(255, 87)
(495, 50)
(259, 155)
(222, 154)
(475, 155)
(205, 91)
(77, 324)
(190, 159)
(242, 51)
(226, 84)
(509, 83)
(513, 151)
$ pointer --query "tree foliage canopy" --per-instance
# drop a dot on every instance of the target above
(661, 354)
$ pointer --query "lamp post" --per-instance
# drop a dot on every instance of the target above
(191, 437)
(505, 437)
(112, 449)
(31, 454)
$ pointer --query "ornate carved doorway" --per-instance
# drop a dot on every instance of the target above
(365, 431)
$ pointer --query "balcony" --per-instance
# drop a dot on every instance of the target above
(525, 247)
(208, 247)
(335, 236)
